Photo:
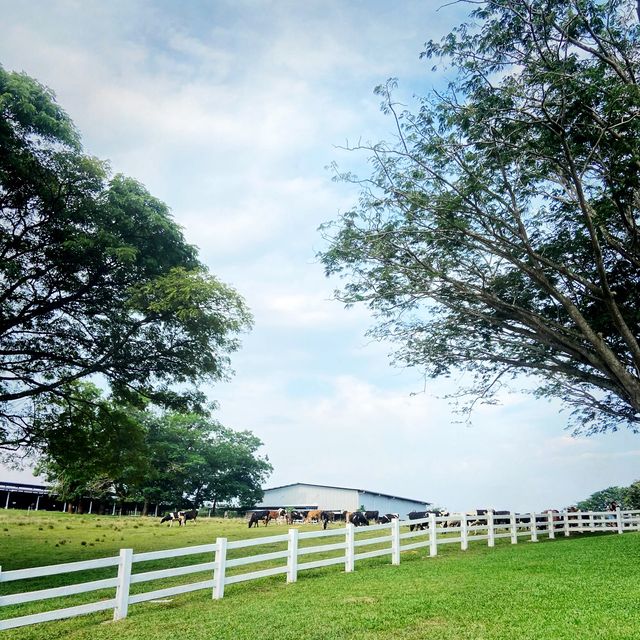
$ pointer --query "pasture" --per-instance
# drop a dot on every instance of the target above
(585, 586)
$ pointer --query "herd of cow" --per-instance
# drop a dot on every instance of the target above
(364, 518)
(282, 516)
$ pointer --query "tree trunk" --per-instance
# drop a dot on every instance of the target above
(145, 507)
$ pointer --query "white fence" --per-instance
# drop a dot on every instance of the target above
(427, 532)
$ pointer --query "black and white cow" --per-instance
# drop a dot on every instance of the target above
(418, 515)
(358, 519)
(171, 517)
(192, 514)
(257, 516)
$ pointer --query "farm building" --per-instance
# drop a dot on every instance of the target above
(315, 496)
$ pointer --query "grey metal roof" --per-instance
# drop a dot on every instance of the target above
(326, 486)
(21, 487)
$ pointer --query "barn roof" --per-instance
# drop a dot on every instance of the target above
(325, 486)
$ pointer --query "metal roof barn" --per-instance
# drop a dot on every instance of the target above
(301, 495)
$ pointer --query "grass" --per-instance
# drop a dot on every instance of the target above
(586, 586)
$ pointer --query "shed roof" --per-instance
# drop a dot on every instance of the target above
(325, 486)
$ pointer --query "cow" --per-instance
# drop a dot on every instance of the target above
(387, 518)
(171, 517)
(295, 516)
(279, 515)
(418, 515)
(192, 514)
(256, 516)
(372, 515)
(318, 515)
(358, 519)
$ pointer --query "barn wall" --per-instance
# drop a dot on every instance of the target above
(315, 497)
(387, 504)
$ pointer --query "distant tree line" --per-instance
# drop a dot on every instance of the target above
(626, 497)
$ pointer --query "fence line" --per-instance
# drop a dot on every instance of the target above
(428, 532)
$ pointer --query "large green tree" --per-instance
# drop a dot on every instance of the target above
(96, 279)
(96, 446)
(498, 234)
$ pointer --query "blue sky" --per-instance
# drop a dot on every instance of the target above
(230, 112)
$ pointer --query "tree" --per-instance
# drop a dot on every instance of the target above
(499, 234)
(92, 448)
(96, 279)
(97, 447)
(633, 495)
(600, 500)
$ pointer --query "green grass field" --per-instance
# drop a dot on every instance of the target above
(586, 586)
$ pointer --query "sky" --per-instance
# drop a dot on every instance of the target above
(232, 112)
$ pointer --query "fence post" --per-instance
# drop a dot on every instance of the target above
(395, 541)
(514, 528)
(464, 542)
(349, 560)
(534, 528)
(124, 580)
(292, 558)
(433, 542)
(220, 568)
(491, 541)
(580, 523)
(619, 520)
(552, 525)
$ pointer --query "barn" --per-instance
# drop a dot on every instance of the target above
(301, 495)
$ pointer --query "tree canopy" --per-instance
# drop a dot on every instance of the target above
(96, 279)
(96, 446)
(498, 234)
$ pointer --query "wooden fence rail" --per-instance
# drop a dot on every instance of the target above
(429, 532)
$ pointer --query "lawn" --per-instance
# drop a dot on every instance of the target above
(586, 586)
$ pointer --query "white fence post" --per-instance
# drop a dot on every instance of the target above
(433, 542)
(619, 520)
(514, 528)
(534, 528)
(292, 558)
(567, 530)
(464, 542)
(395, 541)
(552, 525)
(580, 522)
(349, 560)
(220, 569)
(592, 525)
(491, 541)
(124, 580)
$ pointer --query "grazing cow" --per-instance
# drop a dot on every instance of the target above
(372, 515)
(171, 517)
(192, 514)
(358, 519)
(256, 516)
(279, 515)
(318, 515)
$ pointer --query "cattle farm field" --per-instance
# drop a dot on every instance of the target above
(584, 586)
